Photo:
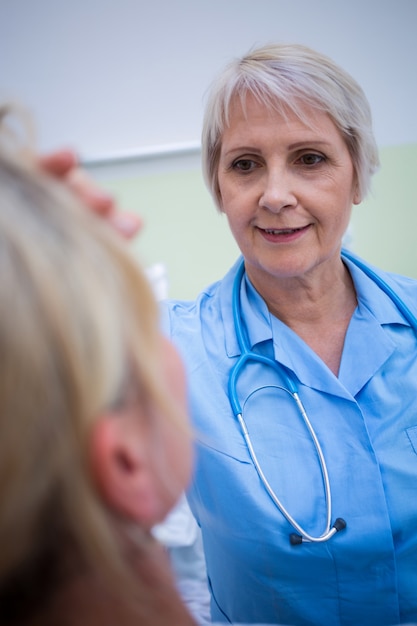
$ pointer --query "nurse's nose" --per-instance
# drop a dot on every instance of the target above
(278, 190)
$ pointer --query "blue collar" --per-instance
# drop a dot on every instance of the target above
(374, 307)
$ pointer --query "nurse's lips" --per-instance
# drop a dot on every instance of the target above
(283, 233)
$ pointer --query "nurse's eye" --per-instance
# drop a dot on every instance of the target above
(244, 165)
(311, 158)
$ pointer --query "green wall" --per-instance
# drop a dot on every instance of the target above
(184, 231)
(384, 227)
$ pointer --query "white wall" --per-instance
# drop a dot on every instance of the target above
(121, 76)
(111, 76)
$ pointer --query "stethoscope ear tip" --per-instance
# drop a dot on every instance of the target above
(339, 524)
(295, 539)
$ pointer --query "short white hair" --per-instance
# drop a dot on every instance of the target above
(283, 76)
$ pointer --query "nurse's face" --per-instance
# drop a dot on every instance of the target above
(287, 188)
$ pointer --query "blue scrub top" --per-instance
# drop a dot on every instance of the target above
(366, 422)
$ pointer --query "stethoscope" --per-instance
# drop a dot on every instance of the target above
(247, 355)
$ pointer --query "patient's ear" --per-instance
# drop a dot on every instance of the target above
(120, 457)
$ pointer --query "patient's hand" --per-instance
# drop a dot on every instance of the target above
(64, 165)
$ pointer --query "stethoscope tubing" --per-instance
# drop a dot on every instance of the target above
(399, 302)
(247, 355)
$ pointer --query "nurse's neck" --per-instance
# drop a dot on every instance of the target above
(317, 310)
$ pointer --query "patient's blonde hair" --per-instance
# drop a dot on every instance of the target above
(78, 329)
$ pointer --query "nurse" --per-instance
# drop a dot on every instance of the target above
(288, 149)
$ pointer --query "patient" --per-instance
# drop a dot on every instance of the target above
(95, 445)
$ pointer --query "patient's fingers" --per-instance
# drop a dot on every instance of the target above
(90, 193)
(63, 164)
(58, 163)
(127, 224)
